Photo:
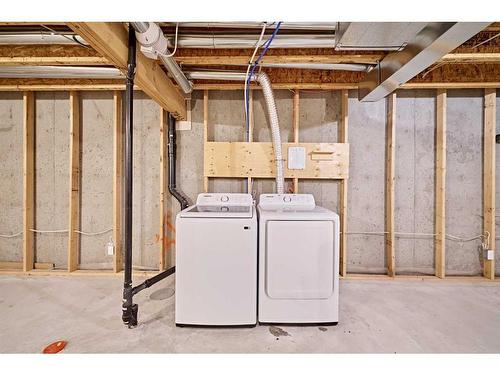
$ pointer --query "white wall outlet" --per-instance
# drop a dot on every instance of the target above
(296, 158)
(110, 248)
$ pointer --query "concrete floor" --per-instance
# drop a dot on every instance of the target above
(376, 316)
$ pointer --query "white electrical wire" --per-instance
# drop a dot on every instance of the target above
(76, 231)
(49, 231)
(11, 235)
(93, 233)
(451, 237)
(257, 46)
(175, 46)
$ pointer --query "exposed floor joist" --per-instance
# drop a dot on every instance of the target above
(110, 39)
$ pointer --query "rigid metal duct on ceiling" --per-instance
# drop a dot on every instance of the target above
(59, 72)
(41, 38)
(310, 26)
(249, 40)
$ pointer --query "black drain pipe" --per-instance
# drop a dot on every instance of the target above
(172, 158)
(129, 308)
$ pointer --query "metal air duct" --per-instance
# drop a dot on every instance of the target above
(154, 45)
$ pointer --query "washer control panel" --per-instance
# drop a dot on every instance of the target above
(292, 202)
(224, 199)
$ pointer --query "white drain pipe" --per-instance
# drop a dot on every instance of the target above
(267, 90)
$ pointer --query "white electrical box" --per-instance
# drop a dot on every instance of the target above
(296, 158)
(489, 254)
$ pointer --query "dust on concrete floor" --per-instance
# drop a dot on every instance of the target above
(376, 316)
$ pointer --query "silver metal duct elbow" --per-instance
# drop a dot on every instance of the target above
(154, 45)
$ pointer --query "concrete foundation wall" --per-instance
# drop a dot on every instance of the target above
(11, 175)
(414, 183)
(464, 208)
(52, 176)
(96, 210)
(365, 199)
(319, 120)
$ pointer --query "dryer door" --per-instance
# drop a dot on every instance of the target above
(299, 259)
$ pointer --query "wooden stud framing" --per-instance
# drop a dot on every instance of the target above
(489, 165)
(205, 132)
(343, 138)
(250, 132)
(74, 185)
(28, 180)
(296, 121)
(440, 212)
(117, 182)
(163, 187)
(389, 183)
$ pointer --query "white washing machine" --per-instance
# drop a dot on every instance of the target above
(216, 261)
(298, 260)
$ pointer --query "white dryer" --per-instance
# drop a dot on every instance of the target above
(298, 260)
(216, 261)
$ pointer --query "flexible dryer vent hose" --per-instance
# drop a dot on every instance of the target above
(267, 90)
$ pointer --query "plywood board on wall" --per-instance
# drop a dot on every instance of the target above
(241, 159)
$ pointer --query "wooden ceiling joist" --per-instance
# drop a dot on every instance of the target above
(110, 39)
(281, 59)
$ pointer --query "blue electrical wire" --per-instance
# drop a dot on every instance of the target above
(266, 47)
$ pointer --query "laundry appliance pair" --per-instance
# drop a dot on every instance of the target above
(237, 264)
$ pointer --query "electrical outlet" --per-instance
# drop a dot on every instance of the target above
(110, 248)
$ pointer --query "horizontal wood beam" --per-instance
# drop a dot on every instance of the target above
(281, 59)
(471, 58)
(463, 58)
(61, 60)
(75, 85)
(19, 266)
(110, 39)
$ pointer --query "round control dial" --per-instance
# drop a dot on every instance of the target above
(287, 199)
(224, 198)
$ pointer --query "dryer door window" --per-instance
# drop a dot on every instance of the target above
(299, 259)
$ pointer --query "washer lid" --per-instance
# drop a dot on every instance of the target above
(221, 205)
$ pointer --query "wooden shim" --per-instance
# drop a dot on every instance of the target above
(205, 135)
(343, 138)
(28, 180)
(296, 121)
(440, 212)
(390, 144)
(74, 184)
(117, 182)
(489, 164)
(242, 159)
(163, 187)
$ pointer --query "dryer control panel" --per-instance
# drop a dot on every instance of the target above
(292, 202)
